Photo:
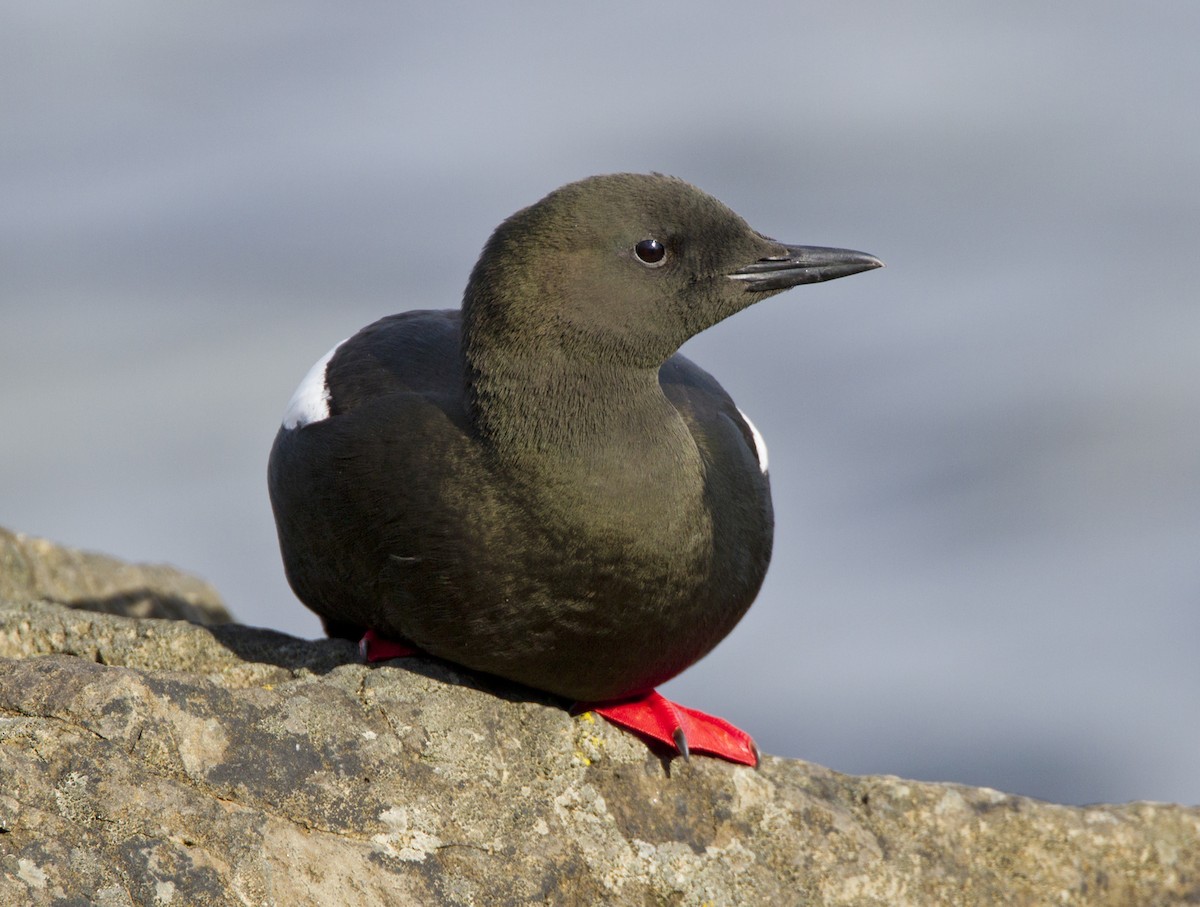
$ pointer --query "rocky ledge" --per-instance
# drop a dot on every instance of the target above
(153, 761)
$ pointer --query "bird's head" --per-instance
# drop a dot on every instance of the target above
(623, 269)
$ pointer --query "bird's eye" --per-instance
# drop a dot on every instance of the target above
(650, 252)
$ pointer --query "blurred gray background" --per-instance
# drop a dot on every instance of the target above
(985, 458)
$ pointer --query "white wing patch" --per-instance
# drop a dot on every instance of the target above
(310, 403)
(760, 446)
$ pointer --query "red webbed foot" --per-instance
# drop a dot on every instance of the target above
(373, 647)
(686, 730)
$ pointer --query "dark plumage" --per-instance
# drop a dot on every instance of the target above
(540, 487)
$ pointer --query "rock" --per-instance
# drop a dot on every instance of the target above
(148, 761)
(32, 569)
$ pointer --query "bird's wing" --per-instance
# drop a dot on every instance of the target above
(722, 431)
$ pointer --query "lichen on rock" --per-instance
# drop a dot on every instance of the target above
(147, 761)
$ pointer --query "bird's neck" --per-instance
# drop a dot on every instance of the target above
(560, 413)
(601, 456)
(529, 407)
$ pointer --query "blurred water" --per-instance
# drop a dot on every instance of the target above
(985, 458)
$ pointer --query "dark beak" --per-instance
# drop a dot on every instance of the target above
(803, 264)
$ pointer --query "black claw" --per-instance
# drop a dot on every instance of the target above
(680, 739)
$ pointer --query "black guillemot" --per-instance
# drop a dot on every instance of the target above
(539, 486)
